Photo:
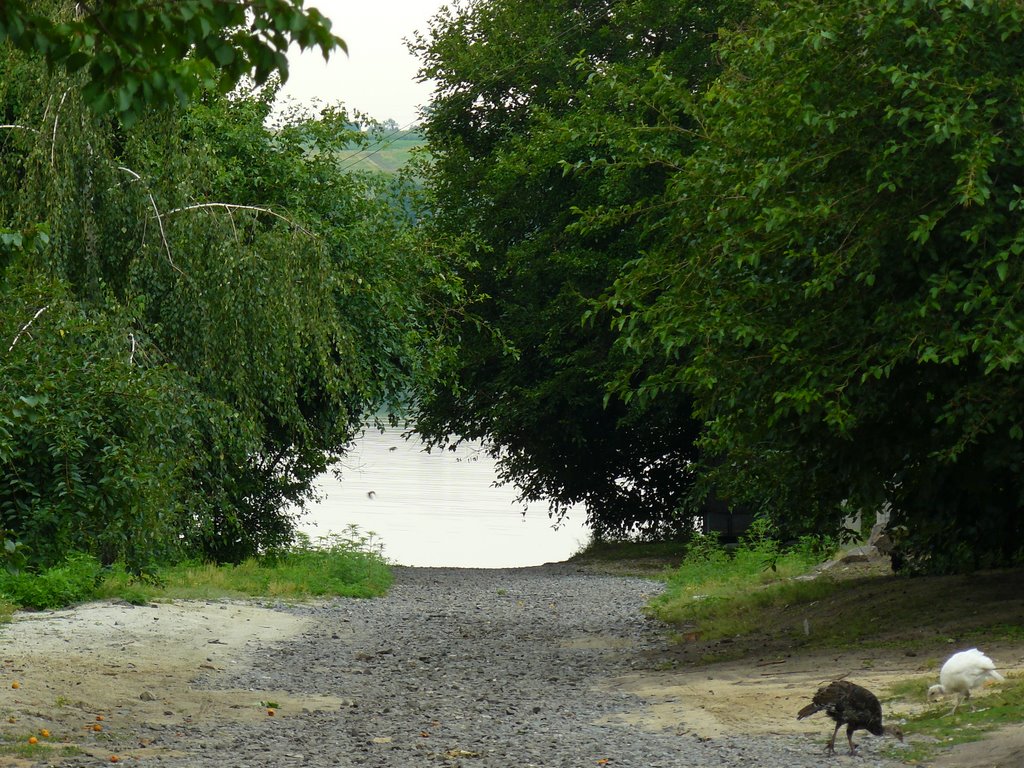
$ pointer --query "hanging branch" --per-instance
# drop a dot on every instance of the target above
(159, 219)
(233, 206)
(26, 326)
(56, 120)
(12, 126)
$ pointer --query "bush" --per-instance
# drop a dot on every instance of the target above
(91, 437)
(73, 581)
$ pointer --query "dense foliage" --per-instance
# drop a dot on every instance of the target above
(803, 224)
(513, 113)
(199, 311)
(139, 53)
(837, 274)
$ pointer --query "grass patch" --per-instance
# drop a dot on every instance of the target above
(935, 730)
(728, 592)
(19, 746)
(348, 565)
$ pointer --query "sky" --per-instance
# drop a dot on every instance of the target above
(378, 76)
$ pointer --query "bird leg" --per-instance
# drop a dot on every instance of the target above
(956, 704)
(849, 739)
(831, 748)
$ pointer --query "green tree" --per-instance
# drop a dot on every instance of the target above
(139, 53)
(202, 323)
(838, 278)
(512, 124)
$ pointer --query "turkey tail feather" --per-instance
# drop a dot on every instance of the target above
(810, 709)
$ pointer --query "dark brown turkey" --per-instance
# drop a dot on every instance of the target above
(853, 706)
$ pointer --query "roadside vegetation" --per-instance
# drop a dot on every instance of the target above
(349, 565)
(724, 590)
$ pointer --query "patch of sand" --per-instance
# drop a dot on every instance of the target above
(734, 698)
(762, 696)
(132, 665)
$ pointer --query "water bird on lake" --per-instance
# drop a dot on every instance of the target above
(962, 672)
(851, 705)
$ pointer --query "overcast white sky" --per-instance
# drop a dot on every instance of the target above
(378, 77)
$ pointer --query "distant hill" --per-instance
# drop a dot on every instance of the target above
(387, 153)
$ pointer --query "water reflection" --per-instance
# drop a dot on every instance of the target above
(438, 509)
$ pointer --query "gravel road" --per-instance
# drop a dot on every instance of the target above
(473, 668)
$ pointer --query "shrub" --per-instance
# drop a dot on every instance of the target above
(73, 581)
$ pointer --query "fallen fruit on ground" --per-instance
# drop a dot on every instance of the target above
(15, 684)
(33, 740)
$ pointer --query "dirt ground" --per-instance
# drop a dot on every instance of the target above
(114, 665)
(129, 664)
(910, 626)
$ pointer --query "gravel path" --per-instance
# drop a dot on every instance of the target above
(474, 668)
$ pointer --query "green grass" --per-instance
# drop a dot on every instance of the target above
(935, 730)
(347, 565)
(726, 593)
(18, 746)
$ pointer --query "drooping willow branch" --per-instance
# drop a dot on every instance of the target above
(159, 219)
(26, 326)
(234, 207)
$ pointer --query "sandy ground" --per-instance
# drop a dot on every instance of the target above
(728, 699)
(115, 665)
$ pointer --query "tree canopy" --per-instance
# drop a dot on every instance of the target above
(513, 112)
(785, 234)
(140, 53)
(200, 310)
(837, 276)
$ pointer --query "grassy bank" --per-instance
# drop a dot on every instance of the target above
(347, 565)
(723, 592)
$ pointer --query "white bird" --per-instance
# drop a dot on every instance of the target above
(962, 672)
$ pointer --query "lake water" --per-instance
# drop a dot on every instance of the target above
(438, 509)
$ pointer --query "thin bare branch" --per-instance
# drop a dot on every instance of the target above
(233, 207)
(12, 126)
(159, 219)
(26, 326)
(56, 120)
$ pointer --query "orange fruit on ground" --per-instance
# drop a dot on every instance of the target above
(99, 718)
(114, 758)
(44, 733)
(271, 712)
(97, 727)
(33, 740)
(15, 684)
